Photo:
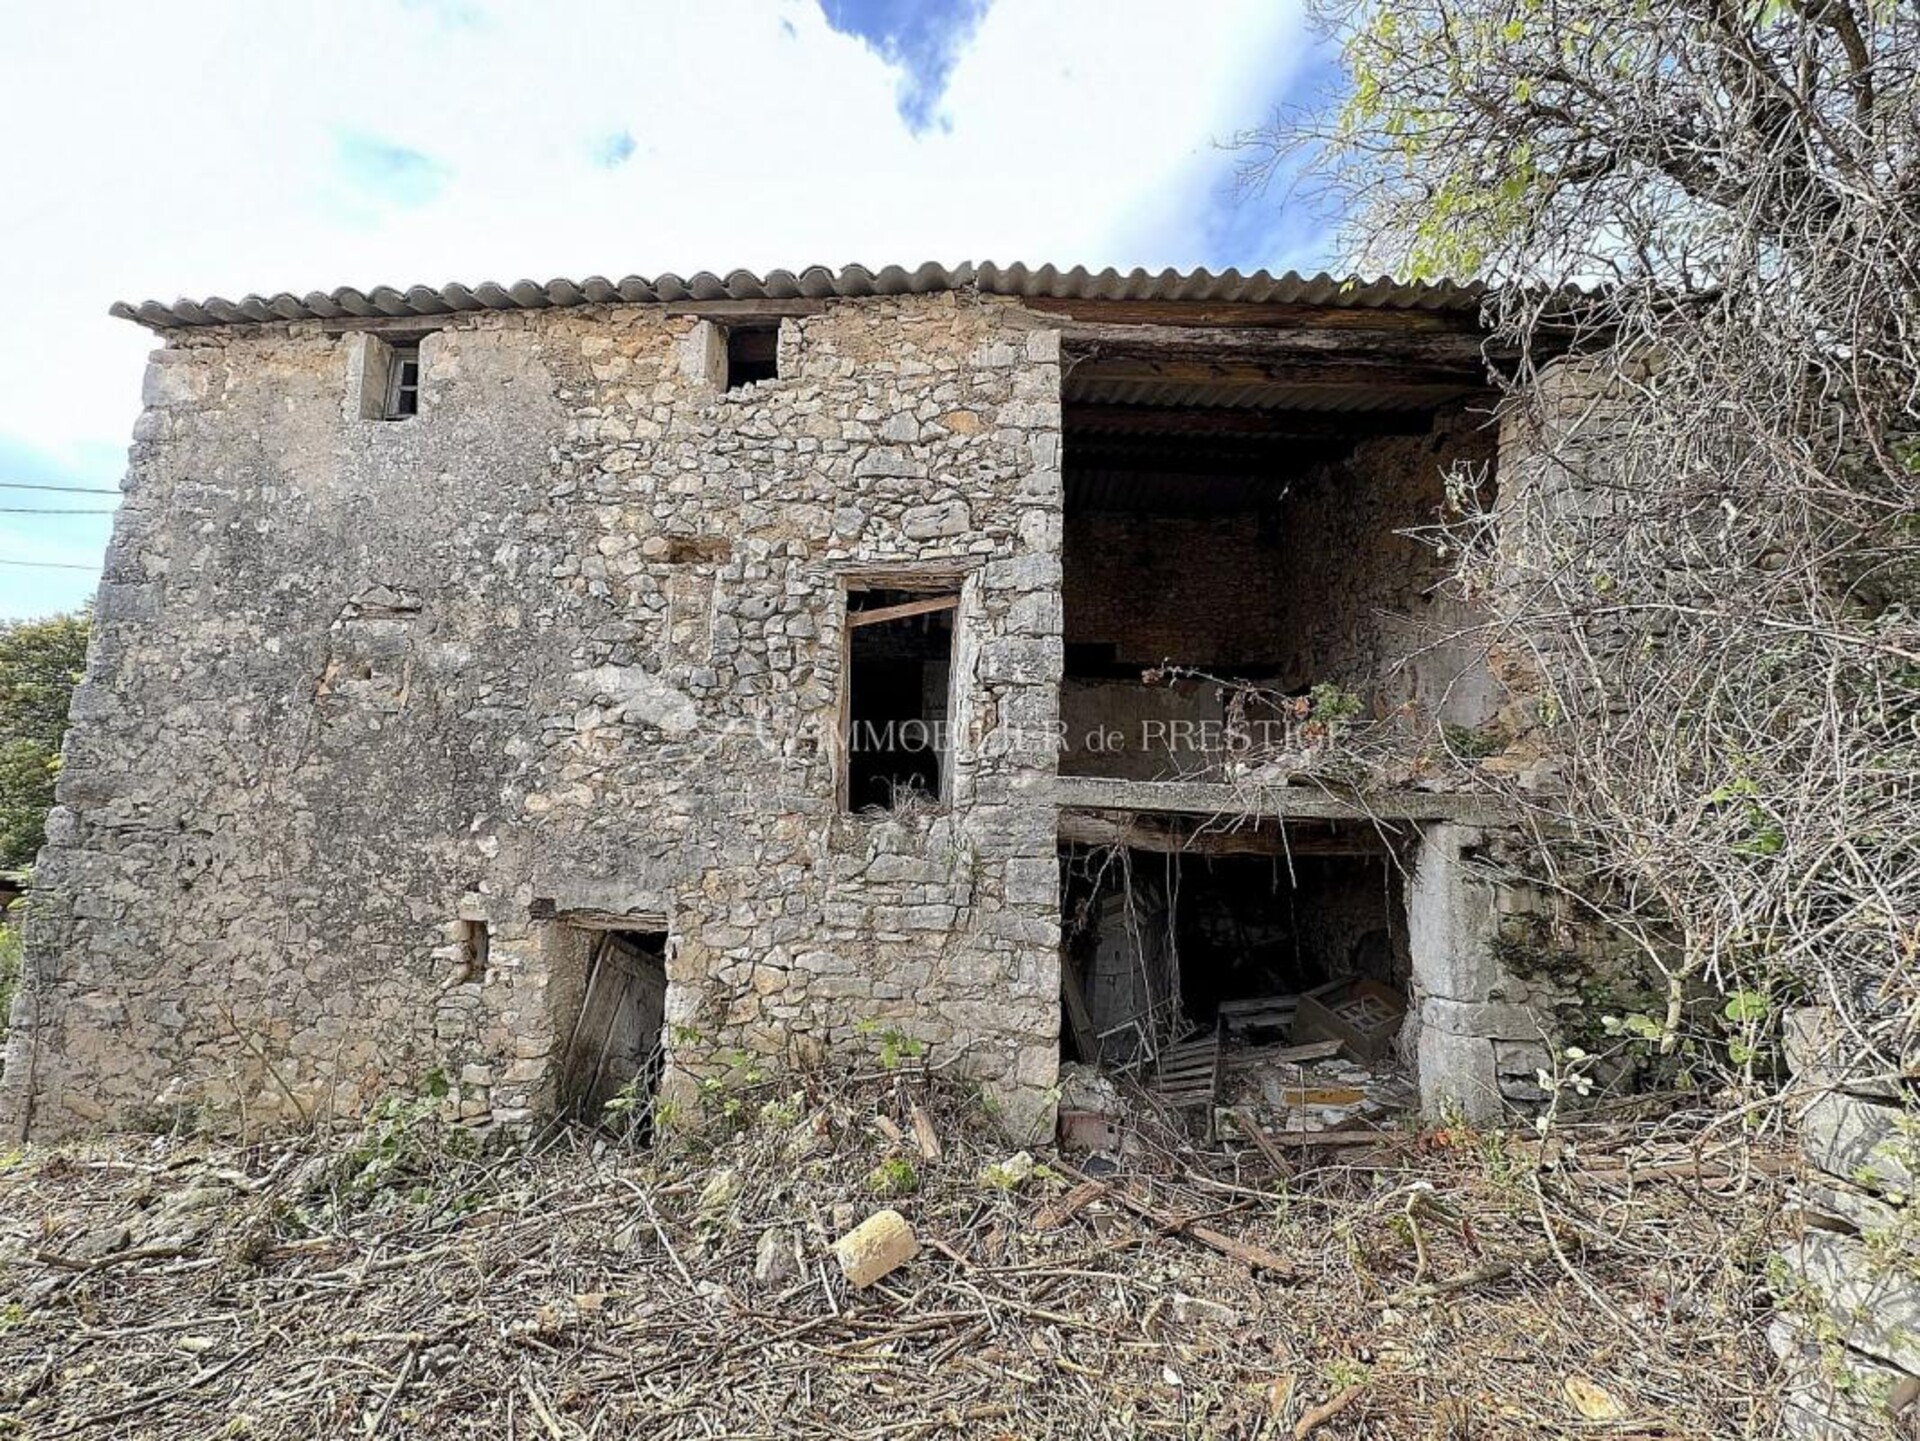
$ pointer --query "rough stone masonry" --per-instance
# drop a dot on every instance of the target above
(378, 713)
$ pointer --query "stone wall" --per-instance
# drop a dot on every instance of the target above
(568, 641)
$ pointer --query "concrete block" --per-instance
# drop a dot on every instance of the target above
(1457, 1073)
(1451, 918)
(875, 1248)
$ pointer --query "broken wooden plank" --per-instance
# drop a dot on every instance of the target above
(903, 611)
(1328, 1138)
(924, 1134)
(1249, 1128)
(1086, 1040)
(1056, 1214)
(1259, 1258)
(1312, 1051)
(1321, 1096)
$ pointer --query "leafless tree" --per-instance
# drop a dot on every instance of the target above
(1714, 560)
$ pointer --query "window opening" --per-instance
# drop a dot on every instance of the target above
(753, 354)
(403, 382)
(899, 697)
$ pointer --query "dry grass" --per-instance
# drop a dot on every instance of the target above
(404, 1282)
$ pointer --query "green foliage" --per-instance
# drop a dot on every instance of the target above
(1761, 835)
(1335, 707)
(892, 1178)
(9, 973)
(1473, 742)
(40, 662)
(1743, 1006)
(403, 1143)
(896, 1046)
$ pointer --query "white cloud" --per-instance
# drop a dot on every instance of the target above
(201, 148)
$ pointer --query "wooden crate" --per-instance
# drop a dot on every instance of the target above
(1364, 1016)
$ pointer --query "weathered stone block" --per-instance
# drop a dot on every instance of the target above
(1873, 1146)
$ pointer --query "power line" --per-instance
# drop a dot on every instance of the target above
(64, 489)
(41, 510)
(48, 564)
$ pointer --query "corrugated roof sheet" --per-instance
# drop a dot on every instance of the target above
(1228, 287)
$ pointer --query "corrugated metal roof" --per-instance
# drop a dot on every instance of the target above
(817, 282)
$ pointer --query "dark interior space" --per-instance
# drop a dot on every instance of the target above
(899, 667)
(753, 354)
(614, 1048)
(1157, 940)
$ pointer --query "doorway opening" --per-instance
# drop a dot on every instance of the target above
(615, 1048)
(1177, 931)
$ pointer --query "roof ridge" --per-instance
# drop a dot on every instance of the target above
(852, 281)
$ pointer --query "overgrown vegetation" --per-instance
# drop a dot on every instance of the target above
(40, 662)
(10, 940)
(1716, 561)
(408, 1279)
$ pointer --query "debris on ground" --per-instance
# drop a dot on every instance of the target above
(413, 1280)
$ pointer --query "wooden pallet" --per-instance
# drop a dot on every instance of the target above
(1189, 1074)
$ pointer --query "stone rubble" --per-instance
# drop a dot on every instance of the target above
(1848, 1331)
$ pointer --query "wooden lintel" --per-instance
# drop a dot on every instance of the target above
(1081, 422)
(1093, 828)
(746, 309)
(1277, 802)
(1450, 348)
(591, 920)
(1245, 316)
(942, 576)
(857, 618)
(1294, 372)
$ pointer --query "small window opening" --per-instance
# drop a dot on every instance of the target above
(899, 696)
(753, 354)
(473, 948)
(616, 1044)
(403, 382)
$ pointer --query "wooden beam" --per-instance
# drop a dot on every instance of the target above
(1449, 348)
(941, 576)
(1084, 422)
(592, 920)
(1214, 798)
(1093, 828)
(1304, 372)
(1086, 1040)
(1246, 316)
(856, 618)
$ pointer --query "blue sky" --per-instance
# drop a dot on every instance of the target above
(206, 148)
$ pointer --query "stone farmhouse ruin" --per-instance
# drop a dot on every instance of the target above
(600, 686)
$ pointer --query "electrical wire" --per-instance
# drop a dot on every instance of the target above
(45, 510)
(48, 564)
(64, 489)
